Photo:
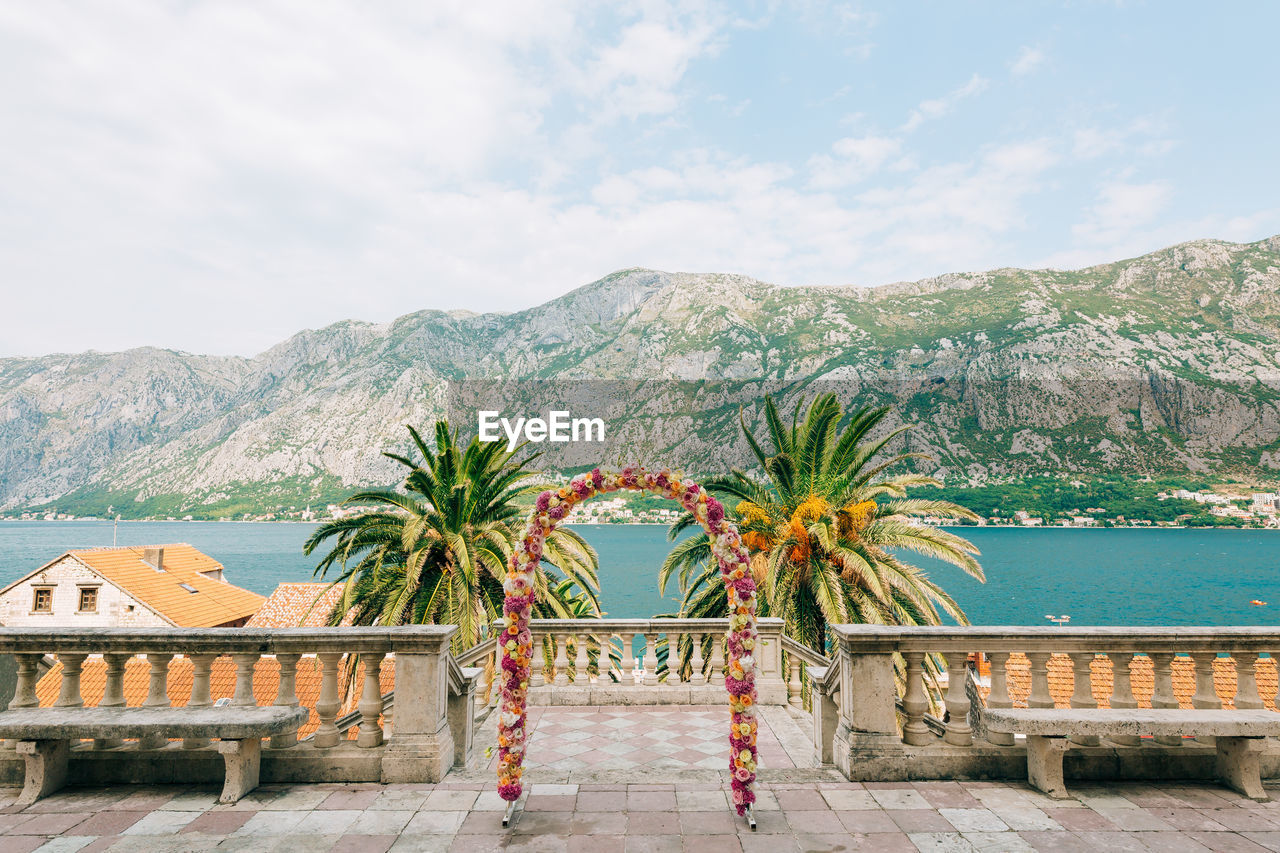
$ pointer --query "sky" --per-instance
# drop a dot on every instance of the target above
(214, 177)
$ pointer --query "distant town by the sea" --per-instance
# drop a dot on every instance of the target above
(1113, 577)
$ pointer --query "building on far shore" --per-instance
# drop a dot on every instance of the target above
(134, 587)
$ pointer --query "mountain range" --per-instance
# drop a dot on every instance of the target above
(1153, 366)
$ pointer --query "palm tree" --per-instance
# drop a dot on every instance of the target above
(825, 525)
(436, 551)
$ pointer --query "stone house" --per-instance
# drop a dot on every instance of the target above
(135, 587)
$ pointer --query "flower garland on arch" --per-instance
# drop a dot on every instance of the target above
(517, 641)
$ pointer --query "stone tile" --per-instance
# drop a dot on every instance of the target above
(653, 844)
(1242, 820)
(465, 844)
(110, 822)
(542, 823)
(1171, 841)
(1135, 820)
(78, 799)
(546, 789)
(1056, 842)
(919, 820)
(843, 800)
(363, 844)
(941, 842)
(449, 801)
(349, 799)
(816, 822)
(712, 844)
(600, 801)
(194, 801)
(973, 820)
(383, 822)
(757, 843)
(719, 822)
(1269, 840)
(302, 843)
(217, 823)
(700, 801)
(900, 798)
(1083, 820)
(47, 823)
(801, 801)
(1025, 818)
(596, 844)
(998, 842)
(327, 821)
(401, 800)
(551, 802)
(66, 844)
(598, 823)
(1226, 842)
(489, 801)
(653, 823)
(23, 843)
(867, 821)
(270, 823)
(1119, 841)
(651, 801)
(445, 823)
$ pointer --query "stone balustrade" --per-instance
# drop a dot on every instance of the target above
(432, 729)
(907, 703)
(630, 661)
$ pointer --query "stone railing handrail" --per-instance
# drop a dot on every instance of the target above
(404, 639)
(872, 638)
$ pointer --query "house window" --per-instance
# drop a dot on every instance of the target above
(88, 599)
(42, 602)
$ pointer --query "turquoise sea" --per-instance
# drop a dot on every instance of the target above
(1097, 577)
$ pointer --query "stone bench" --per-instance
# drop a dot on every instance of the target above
(1239, 737)
(44, 738)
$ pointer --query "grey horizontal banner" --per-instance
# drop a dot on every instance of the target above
(971, 429)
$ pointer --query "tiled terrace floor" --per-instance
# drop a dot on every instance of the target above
(642, 818)
(662, 738)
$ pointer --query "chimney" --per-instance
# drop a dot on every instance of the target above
(154, 557)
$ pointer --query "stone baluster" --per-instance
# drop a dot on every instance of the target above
(998, 697)
(24, 692)
(696, 661)
(915, 702)
(112, 694)
(287, 697)
(1040, 696)
(716, 665)
(793, 680)
(581, 663)
(562, 660)
(538, 663)
(634, 673)
(1163, 697)
(157, 695)
(370, 706)
(1247, 696)
(201, 696)
(1206, 696)
(958, 732)
(649, 675)
(69, 687)
(1082, 694)
(328, 703)
(245, 663)
(1122, 692)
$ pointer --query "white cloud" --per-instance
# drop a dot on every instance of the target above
(938, 107)
(1027, 61)
(1121, 208)
(852, 159)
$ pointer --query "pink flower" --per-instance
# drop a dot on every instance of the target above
(556, 512)
(544, 501)
(510, 792)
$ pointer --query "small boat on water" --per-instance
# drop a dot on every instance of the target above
(1256, 603)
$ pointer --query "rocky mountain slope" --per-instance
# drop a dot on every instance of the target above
(1161, 364)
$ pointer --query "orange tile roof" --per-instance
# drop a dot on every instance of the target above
(214, 602)
(222, 683)
(293, 605)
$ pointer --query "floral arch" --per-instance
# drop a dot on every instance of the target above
(517, 642)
